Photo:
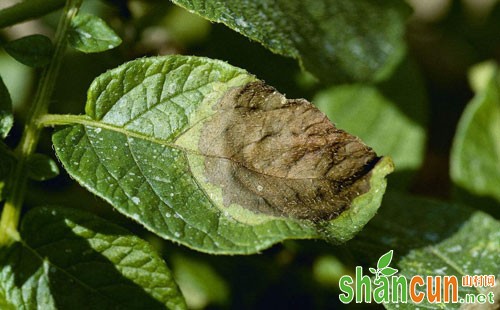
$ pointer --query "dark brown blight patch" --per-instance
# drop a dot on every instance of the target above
(282, 157)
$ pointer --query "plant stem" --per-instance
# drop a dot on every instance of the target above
(26, 10)
(12, 208)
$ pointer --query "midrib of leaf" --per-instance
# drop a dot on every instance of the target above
(450, 263)
(49, 120)
(56, 119)
(207, 233)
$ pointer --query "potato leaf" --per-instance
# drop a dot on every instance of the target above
(473, 250)
(475, 158)
(34, 50)
(41, 167)
(199, 282)
(406, 222)
(337, 41)
(91, 34)
(203, 153)
(69, 259)
(6, 116)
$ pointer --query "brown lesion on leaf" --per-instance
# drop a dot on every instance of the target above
(282, 157)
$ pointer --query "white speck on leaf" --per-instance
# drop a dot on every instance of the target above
(241, 22)
(85, 34)
(454, 249)
(441, 271)
(136, 200)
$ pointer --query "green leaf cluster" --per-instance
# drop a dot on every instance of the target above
(67, 258)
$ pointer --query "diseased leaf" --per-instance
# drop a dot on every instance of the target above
(473, 250)
(475, 156)
(202, 153)
(41, 167)
(384, 260)
(6, 117)
(69, 259)
(280, 157)
(390, 117)
(91, 34)
(34, 50)
(337, 41)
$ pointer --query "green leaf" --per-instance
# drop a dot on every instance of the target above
(41, 167)
(473, 250)
(475, 156)
(388, 271)
(337, 41)
(69, 259)
(481, 74)
(389, 117)
(6, 117)
(406, 222)
(146, 147)
(34, 50)
(20, 78)
(90, 34)
(385, 260)
(199, 282)
(328, 269)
